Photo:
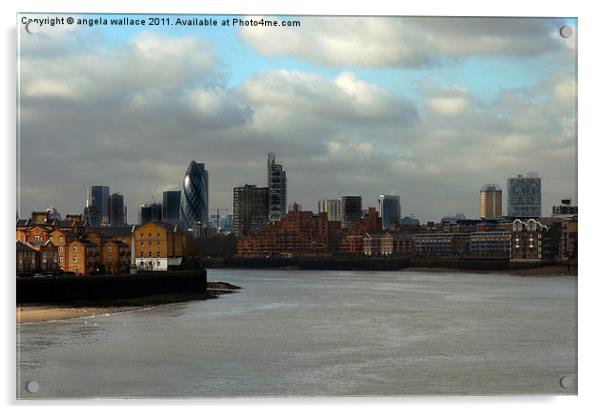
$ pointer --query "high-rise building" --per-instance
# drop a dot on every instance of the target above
(117, 212)
(92, 216)
(351, 210)
(98, 196)
(524, 196)
(277, 189)
(491, 201)
(251, 209)
(151, 213)
(389, 210)
(171, 206)
(332, 208)
(194, 200)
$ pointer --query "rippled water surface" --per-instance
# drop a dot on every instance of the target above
(319, 333)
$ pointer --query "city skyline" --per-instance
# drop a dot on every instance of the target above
(430, 124)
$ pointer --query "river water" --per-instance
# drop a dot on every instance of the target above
(319, 333)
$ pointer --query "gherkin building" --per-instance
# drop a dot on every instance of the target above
(194, 202)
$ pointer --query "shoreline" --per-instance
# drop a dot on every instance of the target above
(87, 309)
(535, 271)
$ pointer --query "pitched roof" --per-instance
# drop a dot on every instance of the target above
(125, 231)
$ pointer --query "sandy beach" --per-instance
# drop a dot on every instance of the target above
(33, 313)
(45, 312)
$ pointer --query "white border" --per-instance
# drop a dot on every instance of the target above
(589, 282)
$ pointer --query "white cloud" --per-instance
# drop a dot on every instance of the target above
(449, 106)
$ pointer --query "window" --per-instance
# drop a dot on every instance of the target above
(74, 249)
(150, 243)
(110, 259)
(74, 259)
(37, 238)
(75, 269)
(62, 239)
(60, 249)
(110, 248)
(61, 259)
(141, 243)
(158, 255)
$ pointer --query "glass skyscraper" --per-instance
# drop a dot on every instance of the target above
(194, 200)
(524, 196)
(117, 210)
(98, 197)
(351, 210)
(171, 206)
(277, 189)
(389, 210)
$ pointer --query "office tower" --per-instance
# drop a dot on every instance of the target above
(251, 209)
(491, 201)
(150, 212)
(92, 216)
(332, 208)
(117, 215)
(351, 210)
(277, 189)
(171, 206)
(194, 200)
(524, 196)
(98, 196)
(389, 210)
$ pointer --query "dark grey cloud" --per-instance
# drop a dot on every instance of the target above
(412, 42)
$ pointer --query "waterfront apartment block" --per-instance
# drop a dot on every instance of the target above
(489, 244)
(568, 244)
(378, 244)
(158, 245)
(298, 233)
(83, 258)
(27, 257)
(441, 244)
(36, 256)
(532, 241)
(55, 240)
(303, 233)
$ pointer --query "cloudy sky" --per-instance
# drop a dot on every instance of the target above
(429, 109)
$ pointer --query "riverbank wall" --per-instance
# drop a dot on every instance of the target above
(65, 289)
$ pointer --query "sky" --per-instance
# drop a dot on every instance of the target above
(429, 109)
